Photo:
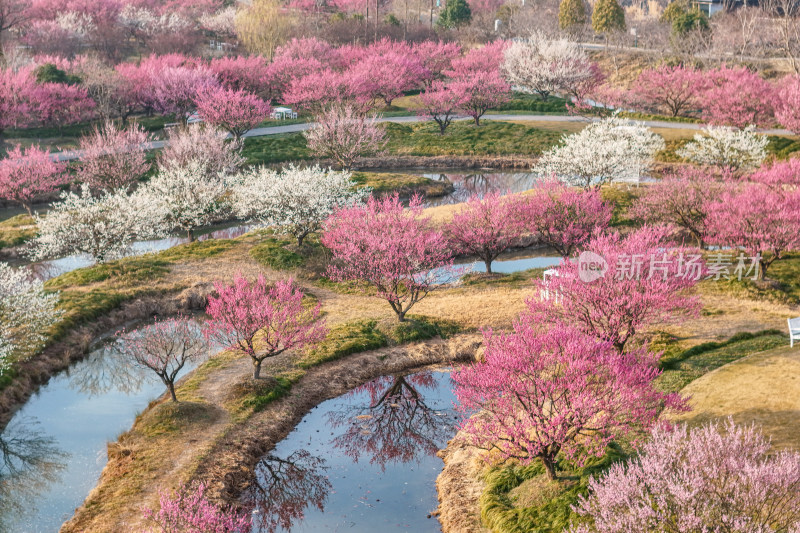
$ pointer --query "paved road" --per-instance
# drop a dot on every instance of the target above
(293, 128)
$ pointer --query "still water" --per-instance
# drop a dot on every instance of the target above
(363, 462)
(54, 448)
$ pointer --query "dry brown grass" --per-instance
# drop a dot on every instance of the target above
(763, 388)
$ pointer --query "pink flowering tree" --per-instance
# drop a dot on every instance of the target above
(737, 97)
(787, 103)
(627, 284)
(175, 89)
(441, 104)
(112, 157)
(16, 107)
(681, 200)
(764, 221)
(320, 90)
(165, 348)
(236, 112)
(382, 78)
(485, 227)
(395, 250)
(562, 217)
(542, 393)
(243, 73)
(674, 90)
(28, 173)
(261, 321)
(344, 135)
(480, 91)
(58, 105)
(718, 477)
(189, 509)
(436, 56)
(781, 175)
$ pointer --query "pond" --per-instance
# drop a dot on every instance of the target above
(54, 448)
(363, 462)
(480, 183)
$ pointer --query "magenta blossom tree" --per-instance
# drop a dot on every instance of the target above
(763, 221)
(480, 91)
(718, 477)
(16, 107)
(175, 89)
(485, 227)
(58, 105)
(28, 173)
(190, 510)
(382, 78)
(262, 321)
(541, 393)
(633, 282)
(674, 90)
(236, 112)
(563, 217)
(681, 200)
(787, 103)
(395, 250)
(112, 157)
(441, 104)
(737, 97)
(243, 73)
(164, 347)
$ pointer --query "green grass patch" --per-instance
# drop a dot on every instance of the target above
(343, 340)
(782, 284)
(521, 499)
(515, 279)
(169, 418)
(14, 231)
(533, 103)
(252, 396)
(83, 306)
(682, 367)
(275, 148)
(669, 153)
(621, 199)
(403, 184)
(660, 118)
(195, 250)
(464, 138)
(273, 253)
(128, 271)
(419, 328)
(782, 147)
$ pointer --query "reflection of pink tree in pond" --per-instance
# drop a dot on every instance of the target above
(396, 425)
(284, 488)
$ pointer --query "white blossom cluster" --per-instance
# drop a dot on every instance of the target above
(613, 149)
(222, 21)
(544, 66)
(101, 226)
(26, 312)
(727, 147)
(183, 197)
(79, 24)
(296, 200)
(148, 22)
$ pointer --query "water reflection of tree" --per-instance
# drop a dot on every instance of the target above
(284, 488)
(29, 462)
(104, 370)
(481, 184)
(396, 425)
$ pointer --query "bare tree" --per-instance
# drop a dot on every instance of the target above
(787, 28)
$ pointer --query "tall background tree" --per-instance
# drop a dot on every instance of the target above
(263, 26)
(571, 15)
(608, 17)
(456, 13)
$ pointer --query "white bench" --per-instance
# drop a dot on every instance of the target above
(794, 330)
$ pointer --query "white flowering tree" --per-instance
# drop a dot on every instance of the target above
(204, 144)
(613, 149)
(26, 312)
(296, 200)
(539, 65)
(102, 227)
(727, 147)
(344, 135)
(184, 197)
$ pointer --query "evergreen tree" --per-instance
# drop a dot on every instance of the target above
(456, 13)
(571, 13)
(608, 17)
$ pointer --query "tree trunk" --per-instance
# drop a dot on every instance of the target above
(171, 387)
(300, 239)
(190, 234)
(401, 316)
(488, 263)
(256, 369)
(762, 268)
(28, 207)
(477, 120)
(549, 466)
